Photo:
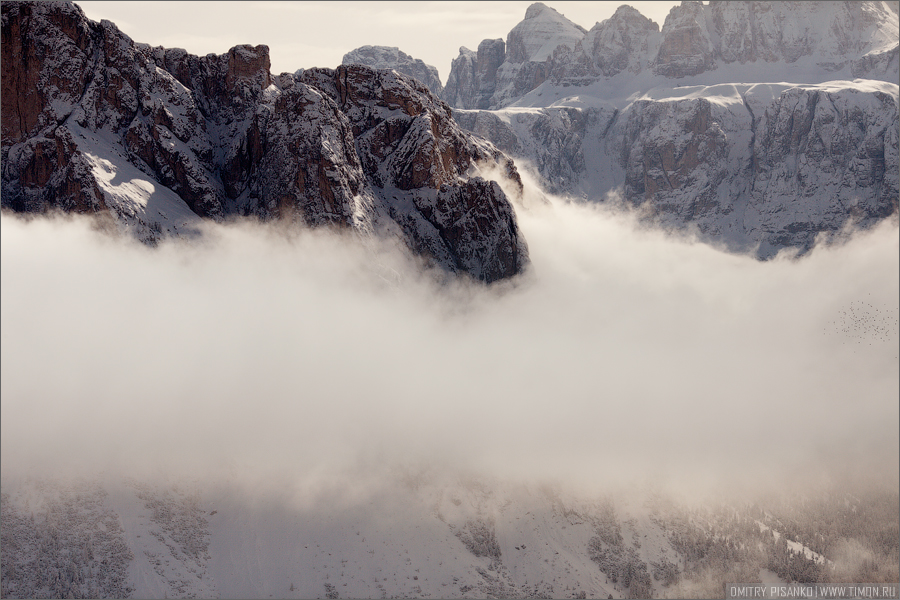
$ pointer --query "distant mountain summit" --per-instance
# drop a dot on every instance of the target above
(157, 139)
(386, 57)
(498, 73)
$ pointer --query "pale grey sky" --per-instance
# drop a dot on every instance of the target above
(318, 34)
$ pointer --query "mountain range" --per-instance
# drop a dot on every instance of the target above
(755, 126)
(758, 126)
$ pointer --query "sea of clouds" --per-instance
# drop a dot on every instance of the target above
(624, 355)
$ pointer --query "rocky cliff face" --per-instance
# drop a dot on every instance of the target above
(826, 40)
(756, 166)
(386, 57)
(685, 48)
(36, 97)
(418, 162)
(473, 75)
(158, 138)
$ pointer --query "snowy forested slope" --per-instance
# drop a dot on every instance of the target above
(416, 536)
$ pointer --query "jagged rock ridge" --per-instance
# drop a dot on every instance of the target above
(157, 138)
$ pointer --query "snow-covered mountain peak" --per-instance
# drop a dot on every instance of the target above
(536, 9)
(620, 42)
(810, 42)
(830, 33)
(540, 33)
(627, 11)
(379, 57)
(390, 57)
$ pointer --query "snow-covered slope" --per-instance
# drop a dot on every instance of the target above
(414, 536)
(157, 138)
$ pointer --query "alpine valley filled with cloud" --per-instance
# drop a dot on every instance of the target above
(601, 313)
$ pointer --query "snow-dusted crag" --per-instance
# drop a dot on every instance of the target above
(386, 57)
(699, 122)
(158, 138)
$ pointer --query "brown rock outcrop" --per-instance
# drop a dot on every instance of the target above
(220, 136)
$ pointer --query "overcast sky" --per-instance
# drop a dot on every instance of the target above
(318, 34)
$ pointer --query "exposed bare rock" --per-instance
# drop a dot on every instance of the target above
(551, 139)
(36, 97)
(699, 38)
(490, 126)
(491, 54)
(460, 88)
(652, 117)
(473, 76)
(299, 161)
(46, 172)
(540, 33)
(751, 31)
(418, 159)
(93, 122)
(694, 158)
(38, 93)
(823, 157)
